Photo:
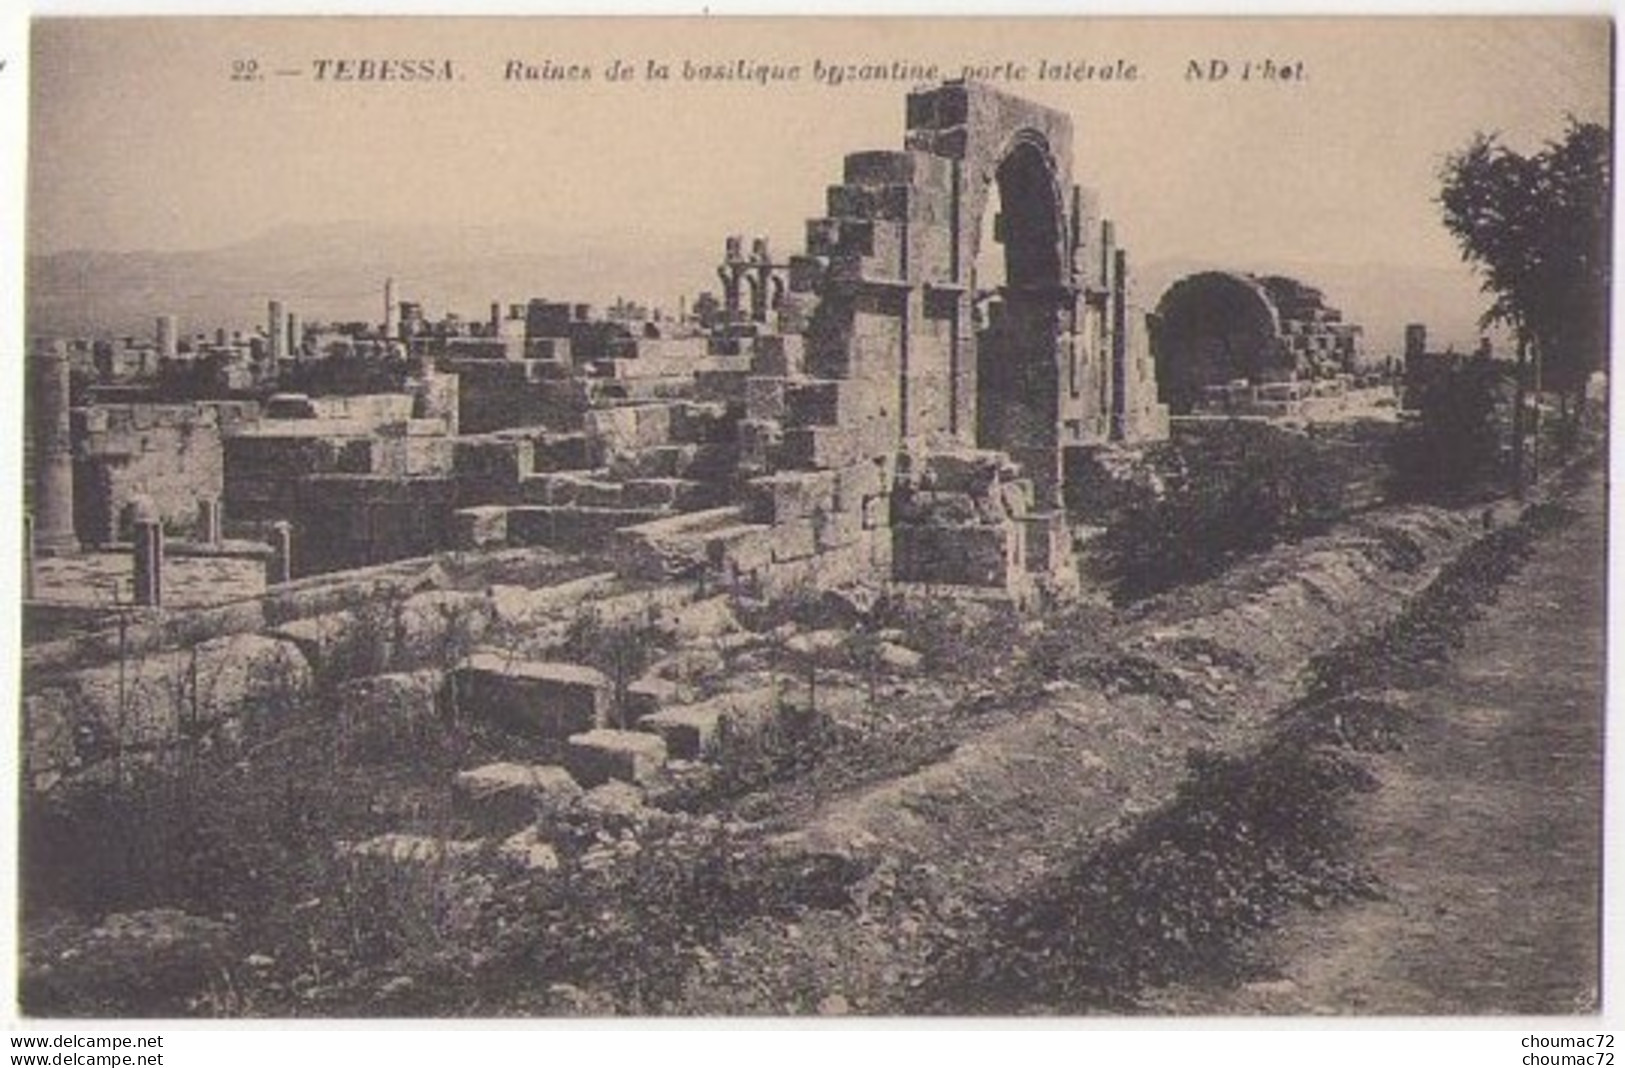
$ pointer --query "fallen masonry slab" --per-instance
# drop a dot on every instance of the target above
(505, 795)
(598, 756)
(699, 731)
(547, 699)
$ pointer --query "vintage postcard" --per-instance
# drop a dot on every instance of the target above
(741, 517)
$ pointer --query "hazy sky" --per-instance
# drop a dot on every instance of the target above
(141, 141)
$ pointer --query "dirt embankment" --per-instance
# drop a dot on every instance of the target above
(1112, 738)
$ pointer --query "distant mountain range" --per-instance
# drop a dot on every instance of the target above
(336, 272)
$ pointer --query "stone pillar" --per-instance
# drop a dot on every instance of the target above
(53, 451)
(279, 565)
(731, 275)
(277, 330)
(1416, 340)
(167, 338)
(496, 318)
(392, 311)
(761, 280)
(149, 554)
(295, 337)
(208, 520)
(1119, 350)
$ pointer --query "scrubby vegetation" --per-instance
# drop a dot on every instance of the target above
(1454, 452)
(1240, 490)
(218, 882)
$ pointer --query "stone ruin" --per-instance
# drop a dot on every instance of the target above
(1241, 344)
(868, 410)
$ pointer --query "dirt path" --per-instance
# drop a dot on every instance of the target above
(1486, 830)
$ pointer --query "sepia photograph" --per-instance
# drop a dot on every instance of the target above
(872, 518)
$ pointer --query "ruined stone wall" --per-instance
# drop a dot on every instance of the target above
(1217, 328)
(170, 453)
(892, 372)
(500, 394)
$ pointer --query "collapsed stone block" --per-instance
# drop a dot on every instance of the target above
(597, 756)
(403, 849)
(542, 698)
(507, 795)
(708, 618)
(522, 606)
(698, 731)
(689, 732)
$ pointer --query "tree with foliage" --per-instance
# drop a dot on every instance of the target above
(1538, 229)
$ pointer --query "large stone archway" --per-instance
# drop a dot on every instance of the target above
(909, 364)
(1011, 161)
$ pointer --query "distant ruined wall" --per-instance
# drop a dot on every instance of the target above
(1219, 327)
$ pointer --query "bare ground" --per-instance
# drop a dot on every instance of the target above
(1486, 831)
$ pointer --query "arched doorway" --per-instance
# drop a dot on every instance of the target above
(1213, 328)
(1023, 305)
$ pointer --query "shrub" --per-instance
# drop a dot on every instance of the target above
(1238, 491)
(1453, 453)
